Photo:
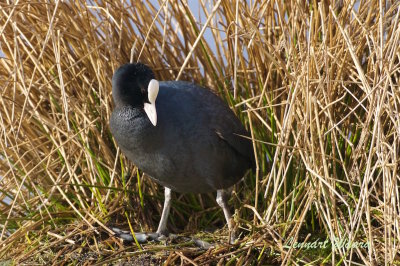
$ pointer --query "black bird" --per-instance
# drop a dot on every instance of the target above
(180, 134)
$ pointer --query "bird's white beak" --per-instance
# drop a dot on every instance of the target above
(150, 108)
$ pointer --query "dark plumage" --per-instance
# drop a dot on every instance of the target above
(197, 144)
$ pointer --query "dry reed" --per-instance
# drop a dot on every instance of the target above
(317, 84)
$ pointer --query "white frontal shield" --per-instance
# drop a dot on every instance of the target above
(150, 108)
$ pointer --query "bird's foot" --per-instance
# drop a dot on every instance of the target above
(232, 237)
(141, 237)
(144, 237)
(202, 244)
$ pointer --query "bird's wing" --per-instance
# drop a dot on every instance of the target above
(227, 126)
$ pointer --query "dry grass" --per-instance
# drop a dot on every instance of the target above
(317, 84)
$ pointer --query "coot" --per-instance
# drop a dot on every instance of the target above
(180, 134)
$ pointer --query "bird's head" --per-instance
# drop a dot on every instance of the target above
(135, 85)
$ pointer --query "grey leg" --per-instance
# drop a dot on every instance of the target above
(162, 227)
(222, 199)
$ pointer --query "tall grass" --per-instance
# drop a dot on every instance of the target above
(316, 83)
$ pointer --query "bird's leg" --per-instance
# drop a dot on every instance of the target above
(222, 200)
(162, 227)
